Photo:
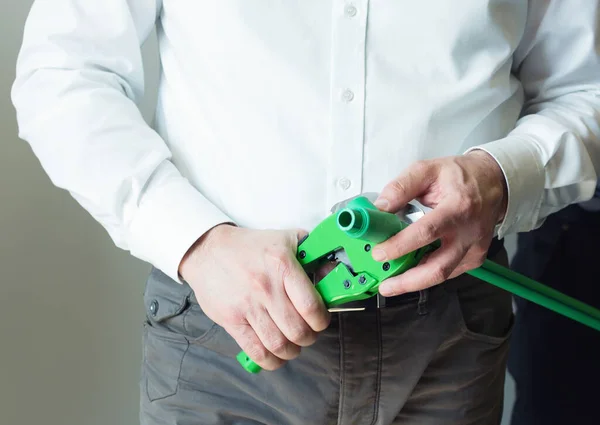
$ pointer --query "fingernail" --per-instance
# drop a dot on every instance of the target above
(379, 255)
(381, 203)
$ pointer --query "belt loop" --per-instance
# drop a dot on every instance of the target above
(422, 305)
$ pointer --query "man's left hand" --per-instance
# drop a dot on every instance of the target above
(468, 196)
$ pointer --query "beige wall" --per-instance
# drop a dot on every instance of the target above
(70, 302)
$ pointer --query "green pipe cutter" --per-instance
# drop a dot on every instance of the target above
(355, 225)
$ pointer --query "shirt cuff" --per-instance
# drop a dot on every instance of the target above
(524, 175)
(170, 219)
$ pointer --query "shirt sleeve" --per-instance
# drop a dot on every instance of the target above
(552, 157)
(79, 75)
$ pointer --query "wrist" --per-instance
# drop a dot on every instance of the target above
(495, 180)
(209, 238)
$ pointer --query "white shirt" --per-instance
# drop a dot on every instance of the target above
(269, 112)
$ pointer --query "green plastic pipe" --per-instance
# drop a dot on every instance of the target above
(538, 293)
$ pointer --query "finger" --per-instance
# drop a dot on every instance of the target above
(248, 341)
(436, 269)
(324, 270)
(305, 298)
(474, 258)
(408, 186)
(430, 227)
(271, 336)
(297, 236)
(289, 321)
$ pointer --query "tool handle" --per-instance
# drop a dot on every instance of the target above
(247, 363)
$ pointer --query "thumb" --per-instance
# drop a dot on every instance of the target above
(298, 235)
(407, 186)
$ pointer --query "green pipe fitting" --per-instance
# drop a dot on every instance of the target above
(369, 224)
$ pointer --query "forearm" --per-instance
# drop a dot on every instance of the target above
(75, 96)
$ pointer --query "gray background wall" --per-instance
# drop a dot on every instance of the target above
(70, 302)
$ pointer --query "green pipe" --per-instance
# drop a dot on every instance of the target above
(538, 293)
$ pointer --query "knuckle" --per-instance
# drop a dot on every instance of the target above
(301, 334)
(465, 206)
(260, 283)
(277, 251)
(277, 345)
(235, 316)
(247, 300)
(398, 186)
(428, 231)
(440, 273)
(311, 308)
(470, 205)
(279, 261)
(316, 315)
(257, 352)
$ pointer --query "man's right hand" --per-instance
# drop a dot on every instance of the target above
(250, 283)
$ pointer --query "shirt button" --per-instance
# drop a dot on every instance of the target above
(350, 10)
(344, 183)
(347, 95)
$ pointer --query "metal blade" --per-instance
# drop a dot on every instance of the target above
(409, 214)
(412, 212)
(343, 309)
(371, 196)
(342, 257)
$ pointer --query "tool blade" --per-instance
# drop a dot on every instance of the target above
(371, 196)
(344, 309)
(412, 212)
(342, 257)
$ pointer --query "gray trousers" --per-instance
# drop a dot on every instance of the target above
(438, 357)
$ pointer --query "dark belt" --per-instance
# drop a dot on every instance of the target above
(380, 301)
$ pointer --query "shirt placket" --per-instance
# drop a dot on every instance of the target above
(345, 171)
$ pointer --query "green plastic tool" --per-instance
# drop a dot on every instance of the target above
(350, 233)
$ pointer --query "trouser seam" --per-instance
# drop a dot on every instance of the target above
(342, 369)
(422, 304)
(379, 367)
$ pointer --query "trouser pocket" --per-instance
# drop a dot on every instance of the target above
(484, 311)
(173, 322)
(163, 357)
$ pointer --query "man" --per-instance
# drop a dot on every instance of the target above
(553, 359)
(268, 114)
